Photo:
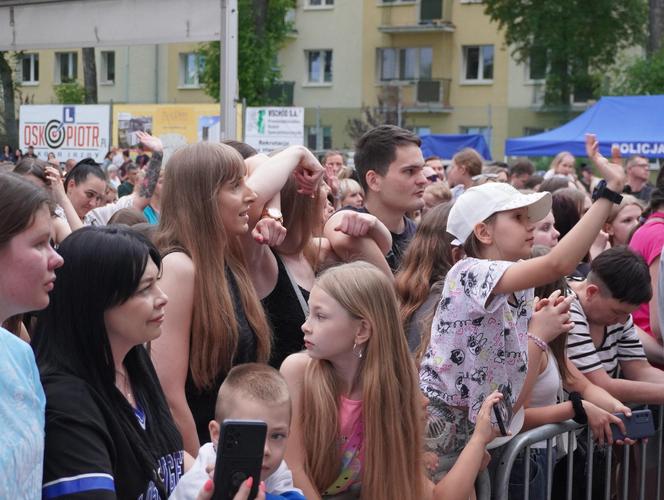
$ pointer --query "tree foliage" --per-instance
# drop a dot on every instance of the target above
(580, 37)
(70, 93)
(644, 76)
(262, 30)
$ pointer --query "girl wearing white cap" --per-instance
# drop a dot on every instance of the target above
(485, 335)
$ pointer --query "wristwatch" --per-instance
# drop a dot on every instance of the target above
(273, 213)
(601, 191)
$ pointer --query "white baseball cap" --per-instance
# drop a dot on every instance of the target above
(481, 202)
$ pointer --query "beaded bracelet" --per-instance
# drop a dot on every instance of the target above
(538, 341)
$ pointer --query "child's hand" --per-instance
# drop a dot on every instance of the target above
(484, 429)
(551, 317)
(612, 171)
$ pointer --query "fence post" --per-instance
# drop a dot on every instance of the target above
(589, 478)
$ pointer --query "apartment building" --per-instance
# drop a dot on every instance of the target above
(166, 73)
(436, 66)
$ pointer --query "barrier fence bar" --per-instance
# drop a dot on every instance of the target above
(660, 437)
(518, 443)
(570, 463)
(548, 432)
(642, 479)
(589, 479)
(607, 474)
(549, 468)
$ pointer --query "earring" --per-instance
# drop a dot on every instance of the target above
(360, 353)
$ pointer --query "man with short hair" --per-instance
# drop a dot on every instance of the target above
(31, 152)
(465, 165)
(334, 160)
(603, 342)
(520, 172)
(637, 183)
(127, 187)
(69, 165)
(436, 163)
(389, 164)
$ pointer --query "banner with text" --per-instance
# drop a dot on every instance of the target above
(268, 129)
(68, 131)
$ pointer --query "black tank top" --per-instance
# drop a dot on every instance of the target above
(202, 402)
(285, 315)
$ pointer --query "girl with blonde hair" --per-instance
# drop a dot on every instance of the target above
(357, 411)
(215, 319)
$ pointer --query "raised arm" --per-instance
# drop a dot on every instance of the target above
(271, 175)
(358, 236)
(565, 256)
(147, 187)
(56, 186)
(170, 352)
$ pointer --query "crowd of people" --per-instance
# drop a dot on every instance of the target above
(371, 316)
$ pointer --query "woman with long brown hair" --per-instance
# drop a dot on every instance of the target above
(215, 319)
(419, 281)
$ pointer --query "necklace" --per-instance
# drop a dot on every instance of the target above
(126, 389)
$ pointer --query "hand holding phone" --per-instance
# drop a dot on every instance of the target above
(239, 456)
(503, 411)
(640, 425)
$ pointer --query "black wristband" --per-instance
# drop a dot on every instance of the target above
(580, 416)
(601, 191)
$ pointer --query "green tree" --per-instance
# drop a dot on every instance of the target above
(644, 76)
(579, 37)
(7, 87)
(262, 30)
(70, 93)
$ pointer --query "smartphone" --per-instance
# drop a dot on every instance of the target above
(640, 425)
(503, 412)
(239, 455)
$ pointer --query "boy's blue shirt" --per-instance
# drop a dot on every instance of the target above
(288, 495)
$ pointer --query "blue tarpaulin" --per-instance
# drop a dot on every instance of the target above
(634, 123)
(446, 146)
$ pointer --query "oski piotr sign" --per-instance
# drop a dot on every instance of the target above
(67, 131)
(267, 129)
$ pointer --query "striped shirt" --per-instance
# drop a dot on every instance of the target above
(620, 343)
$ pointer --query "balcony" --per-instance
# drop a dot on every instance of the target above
(419, 96)
(427, 16)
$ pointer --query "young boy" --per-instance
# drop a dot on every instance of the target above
(251, 391)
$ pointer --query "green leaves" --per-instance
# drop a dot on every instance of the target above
(581, 37)
(263, 29)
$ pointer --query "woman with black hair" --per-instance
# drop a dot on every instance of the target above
(109, 432)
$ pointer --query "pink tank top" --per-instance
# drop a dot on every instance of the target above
(351, 438)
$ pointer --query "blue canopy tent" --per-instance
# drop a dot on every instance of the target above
(634, 123)
(446, 146)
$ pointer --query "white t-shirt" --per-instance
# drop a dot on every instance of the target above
(621, 343)
(478, 339)
(278, 483)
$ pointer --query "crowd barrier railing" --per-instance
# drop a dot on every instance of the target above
(550, 432)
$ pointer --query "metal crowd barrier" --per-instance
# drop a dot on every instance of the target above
(549, 432)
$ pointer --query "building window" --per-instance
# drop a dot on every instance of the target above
(107, 66)
(191, 67)
(29, 67)
(319, 66)
(405, 64)
(537, 63)
(320, 3)
(478, 63)
(66, 67)
(533, 130)
(396, 1)
(313, 136)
